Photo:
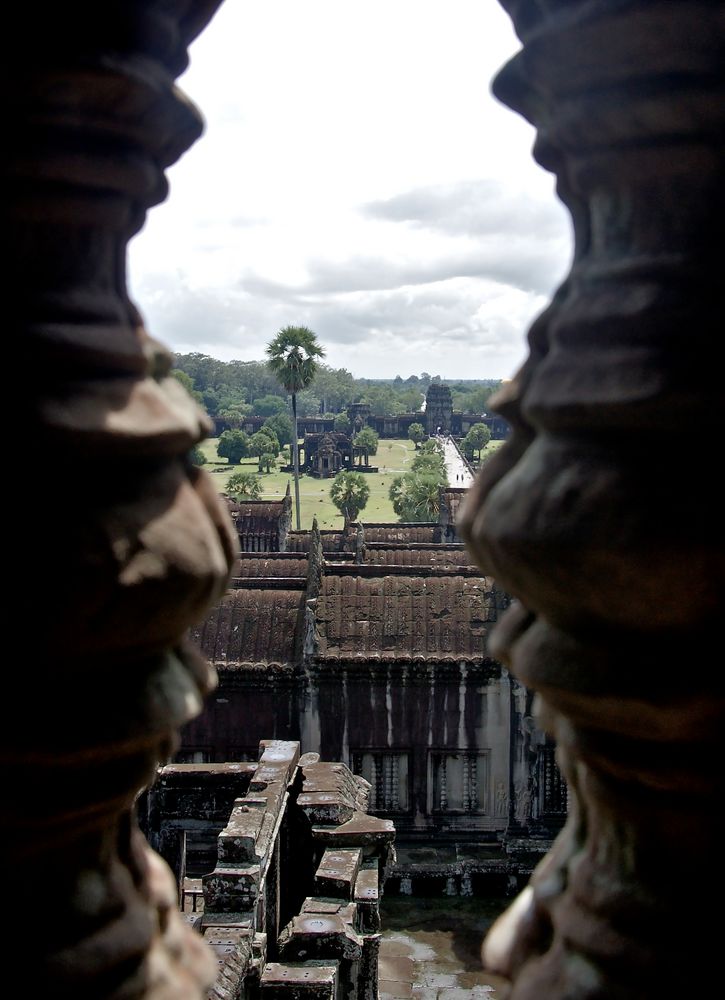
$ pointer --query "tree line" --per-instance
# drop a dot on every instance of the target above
(232, 390)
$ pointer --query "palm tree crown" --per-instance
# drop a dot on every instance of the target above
(292, 357)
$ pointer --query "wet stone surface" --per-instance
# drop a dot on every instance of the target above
(430, 949)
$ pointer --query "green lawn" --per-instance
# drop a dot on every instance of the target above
(393, 457)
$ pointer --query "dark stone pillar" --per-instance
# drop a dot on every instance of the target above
(603, 515)
(123, 542)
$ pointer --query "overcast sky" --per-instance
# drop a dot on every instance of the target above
(356, 177)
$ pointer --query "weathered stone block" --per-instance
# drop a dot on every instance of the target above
(318, 935)
(337, 873)
(264, 841)
(228, 889)
(277, 764)
(243, 919)
(368, 974)
(238, 839)
(325, 807)
(280, 751)
(360, 831)
(232, 948)
(299, 981)
(367, 898)
(323, 906)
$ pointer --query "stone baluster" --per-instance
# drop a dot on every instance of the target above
(602, 515)
(140, 545)
(466, 793)
(443, 779)
(391, 780)
(376, 798)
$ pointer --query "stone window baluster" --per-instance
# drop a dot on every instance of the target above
(466, 796)
(443, 782)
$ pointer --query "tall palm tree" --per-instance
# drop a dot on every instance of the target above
(292, 359)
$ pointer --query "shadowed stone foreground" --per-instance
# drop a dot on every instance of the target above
(292, 905)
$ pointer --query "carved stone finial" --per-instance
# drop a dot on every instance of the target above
(316, 562)
(601, 515)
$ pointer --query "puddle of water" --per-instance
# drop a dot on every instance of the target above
(443, 939)
(410, 947)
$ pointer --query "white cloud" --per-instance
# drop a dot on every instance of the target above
(357, 177)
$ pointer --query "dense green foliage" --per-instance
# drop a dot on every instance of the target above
(264, 440)
(350, 493)
(269, 405)
(308, 404)
(416, 496)
(281, 425)
(367, 439)
(233, 445)
(416, 433)
(244, 484)
(244, 387)
(187, 383)
(343, 424)
(234, 415)
(264, 445)
(474, 400)
(476, 440)
(197, 456)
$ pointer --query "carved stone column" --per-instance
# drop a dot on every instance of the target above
(604, 515)
(123, 543)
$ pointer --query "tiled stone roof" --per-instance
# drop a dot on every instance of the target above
(251, 627)
(253, 565)
(438, 555)
(429, 533)
(404, 617)
(332, 541)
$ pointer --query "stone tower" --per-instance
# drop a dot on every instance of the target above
(438, 409)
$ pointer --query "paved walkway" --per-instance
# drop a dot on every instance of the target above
(458, 474)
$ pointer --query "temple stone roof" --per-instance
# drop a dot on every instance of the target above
(262, 525)
(332, 541)
(404, 617)
(254, 565)
(251, 626)
(437, 555)
(429, 533)
(258, 514)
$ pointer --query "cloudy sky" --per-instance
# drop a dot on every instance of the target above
(356, 177)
